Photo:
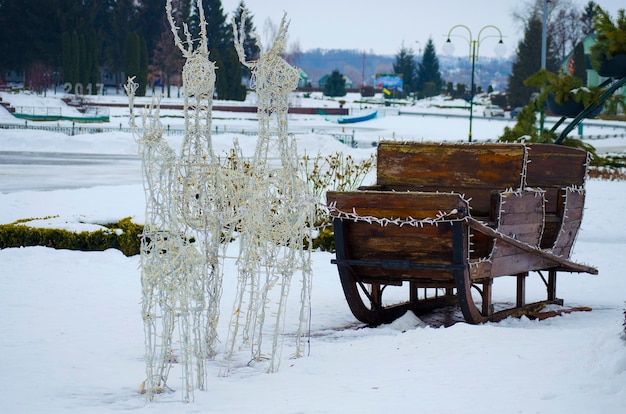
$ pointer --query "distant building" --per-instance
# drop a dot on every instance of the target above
(304, 79)
(593, 78)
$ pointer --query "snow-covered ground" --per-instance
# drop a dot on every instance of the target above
(71, 334)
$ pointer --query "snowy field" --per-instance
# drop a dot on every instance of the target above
(71, 334)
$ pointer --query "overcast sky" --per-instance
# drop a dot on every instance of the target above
(382, 26)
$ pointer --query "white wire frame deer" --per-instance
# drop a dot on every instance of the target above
(275, 233)
(185, 220)
(194, 203)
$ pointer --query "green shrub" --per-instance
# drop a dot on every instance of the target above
(128, 240)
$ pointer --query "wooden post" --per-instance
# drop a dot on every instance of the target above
(487, 306)
(521, 289)
(551, 284)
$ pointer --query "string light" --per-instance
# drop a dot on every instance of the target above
(197, 202)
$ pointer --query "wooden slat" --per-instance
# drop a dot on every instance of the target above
(521, 216)
(427, 244)
(555, 166)
(572, 218)
(494, 166)
(385, 204)
(566, 264)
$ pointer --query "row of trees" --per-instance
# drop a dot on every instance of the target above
(78, 40)
(421, 79)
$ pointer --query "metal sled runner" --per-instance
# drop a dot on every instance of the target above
(444, 220)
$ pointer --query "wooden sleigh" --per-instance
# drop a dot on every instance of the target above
(444, 220)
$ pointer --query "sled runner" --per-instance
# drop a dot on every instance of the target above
(444, 220)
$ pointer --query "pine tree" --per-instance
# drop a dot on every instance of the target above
(142, 75)
(236, 90)
(94, 63)
(406, 66)
(580, 63)
(131, 56)
(335, 85)
(527, 62)
(429, 81)
(166, 57)
(83, 63)
(121, 22)
(67, 57)
(587, 18)
(75, 61)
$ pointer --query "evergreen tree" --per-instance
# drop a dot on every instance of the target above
(94, 63)
(83, 63)
(527, 61)
(335, 85)
(429, 81)
(75, 62)
(235, 90)
(580, 63)
(406, 66)
(132, 57)
(68, 67)
(587, 18)
(149, 12)
(166, 57)
(136, 54)
(122, 21)
(142, 75)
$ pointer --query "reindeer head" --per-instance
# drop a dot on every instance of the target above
(198, 71)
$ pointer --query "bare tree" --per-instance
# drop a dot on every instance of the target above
(565, 28)
(566, 31)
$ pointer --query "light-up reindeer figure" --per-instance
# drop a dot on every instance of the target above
(274, 222)
(181, 278)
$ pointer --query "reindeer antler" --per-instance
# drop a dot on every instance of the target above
(240, 36)
(187, 52)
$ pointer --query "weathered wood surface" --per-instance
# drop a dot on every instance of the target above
(472, 170)
(547, 255)
(572, 216)
(555, 166)
(516, 208)
(385, 204)
(410, 242)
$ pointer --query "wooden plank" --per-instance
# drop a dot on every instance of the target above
(566, 264)
(555, 166)
(494, 166)
(572, 218)
(386, 204)
(428, 244)
(521, 216)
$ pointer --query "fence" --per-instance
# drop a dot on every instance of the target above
(45, 113)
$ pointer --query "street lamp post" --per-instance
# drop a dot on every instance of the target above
(474, 46)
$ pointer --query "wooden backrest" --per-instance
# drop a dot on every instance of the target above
(475, 170)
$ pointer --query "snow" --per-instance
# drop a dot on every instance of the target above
(71, 334)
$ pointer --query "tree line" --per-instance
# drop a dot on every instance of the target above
(75, 41)
(566, 28)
